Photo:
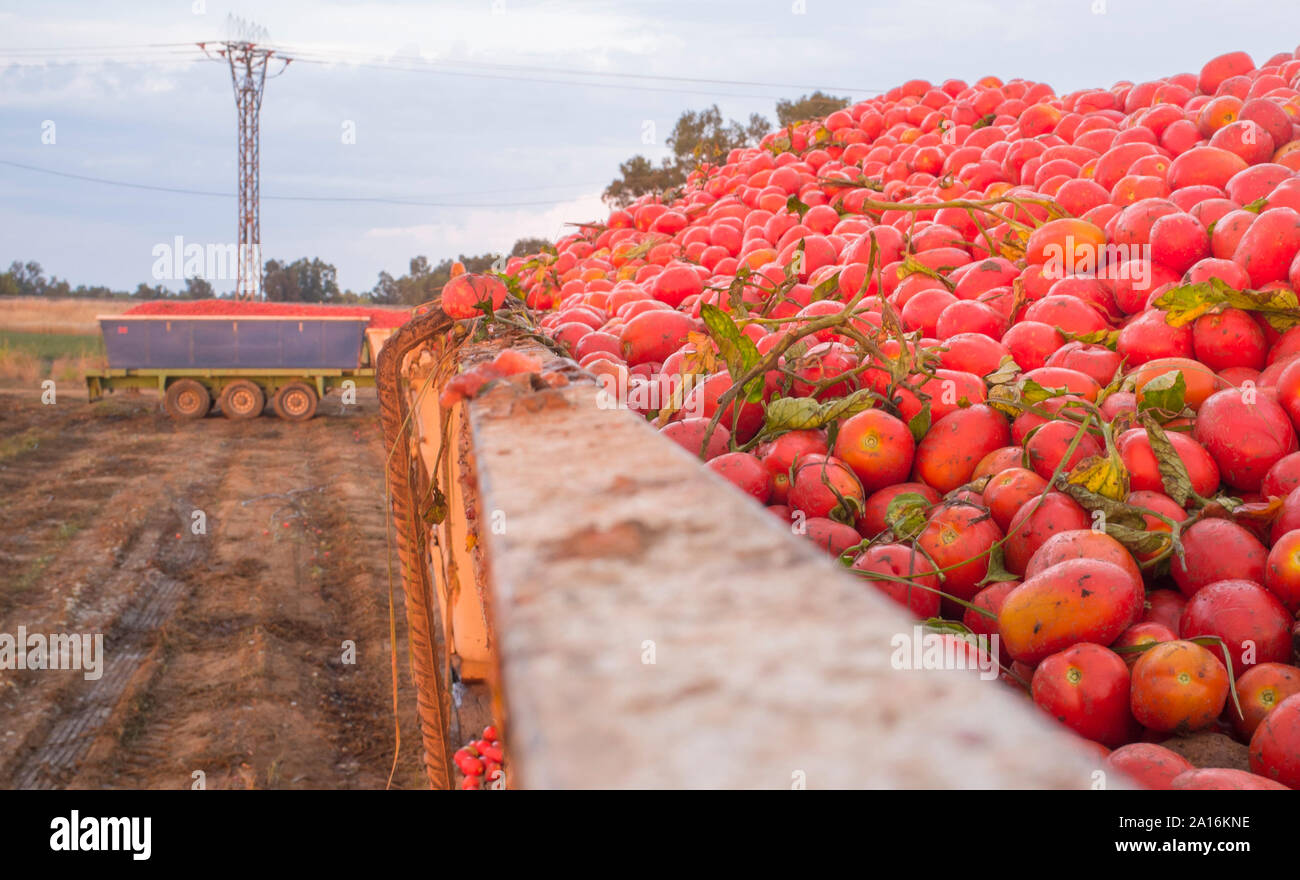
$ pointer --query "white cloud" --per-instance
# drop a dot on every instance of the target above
(472, 31)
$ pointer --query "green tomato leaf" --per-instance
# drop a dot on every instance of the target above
(919, 424)
(1281, 308)
(1166, 393)
(826, 288)
(905, 515)
(1173, 473)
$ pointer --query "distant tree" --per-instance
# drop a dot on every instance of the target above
(424, 282)
(814, 106)
(197, 288)
(144, 291)
(481, 263)
(29, 277)
(385, 289)
(98, 291)
(638, 176)
(302, 280)
(279, 284)
(699, 136)
(525, 246)
(702, 136)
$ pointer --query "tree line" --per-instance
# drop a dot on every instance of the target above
(307, 279)
(703, 136)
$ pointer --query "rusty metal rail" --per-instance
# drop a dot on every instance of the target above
(406, 484)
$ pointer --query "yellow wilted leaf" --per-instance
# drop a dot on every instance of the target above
(1103, 475)
(703, 358)
(1185, 304)
(1011, 247)
(1003, 398)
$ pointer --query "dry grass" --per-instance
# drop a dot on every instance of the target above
(73, 369)
(51, 338)
(21, 367)
(18, 367)
(29, 314)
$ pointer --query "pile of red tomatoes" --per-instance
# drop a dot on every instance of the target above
(1026, 362)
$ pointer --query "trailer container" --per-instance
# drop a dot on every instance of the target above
(240, 363)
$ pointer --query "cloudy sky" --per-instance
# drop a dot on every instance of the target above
(479, 109)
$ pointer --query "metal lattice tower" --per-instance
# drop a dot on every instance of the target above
(248, 64)
(248, 74)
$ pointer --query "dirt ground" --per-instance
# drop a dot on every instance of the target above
(225, 652)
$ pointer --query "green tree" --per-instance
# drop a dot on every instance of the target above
(814, 106)
(526, 246)
(638, 176)
(424, 282)
(97, 291)
(197, 288)
(302, 280)
(699, 136)
(29, 277)
(144, 291)
(702, 136)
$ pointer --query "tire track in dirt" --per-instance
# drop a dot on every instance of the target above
(149, 590)
(224, 652)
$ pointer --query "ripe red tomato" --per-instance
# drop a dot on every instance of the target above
(1275, 745)
(947, 456)
(1216, 550)
(878, 448)
(1178, 687)
(1085, 687)
(1079, 600)
(916, 590)
(1247, 432)
(1255, 627)
(1150, 765)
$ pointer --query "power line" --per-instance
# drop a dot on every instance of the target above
(161, 57)
(532, 79)
(5, 51)
(433, 63)
(476, 69)
(185, 58)
(337, 199)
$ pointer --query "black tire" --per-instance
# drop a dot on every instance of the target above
(187, 399)
(295, 402)
(242, 399)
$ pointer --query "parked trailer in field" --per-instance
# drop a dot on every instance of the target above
(238, 362)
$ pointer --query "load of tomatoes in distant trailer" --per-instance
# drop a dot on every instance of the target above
(1028, 364)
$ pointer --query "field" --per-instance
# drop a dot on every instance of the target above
(58, 339)
(65, 316)
(227, 651)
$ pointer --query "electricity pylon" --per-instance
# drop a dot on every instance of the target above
(248, 64)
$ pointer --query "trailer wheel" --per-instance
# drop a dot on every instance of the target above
(187, 399)
(295, 402)
(242, 399)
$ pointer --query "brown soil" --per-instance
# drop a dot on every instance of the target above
(224, 651)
